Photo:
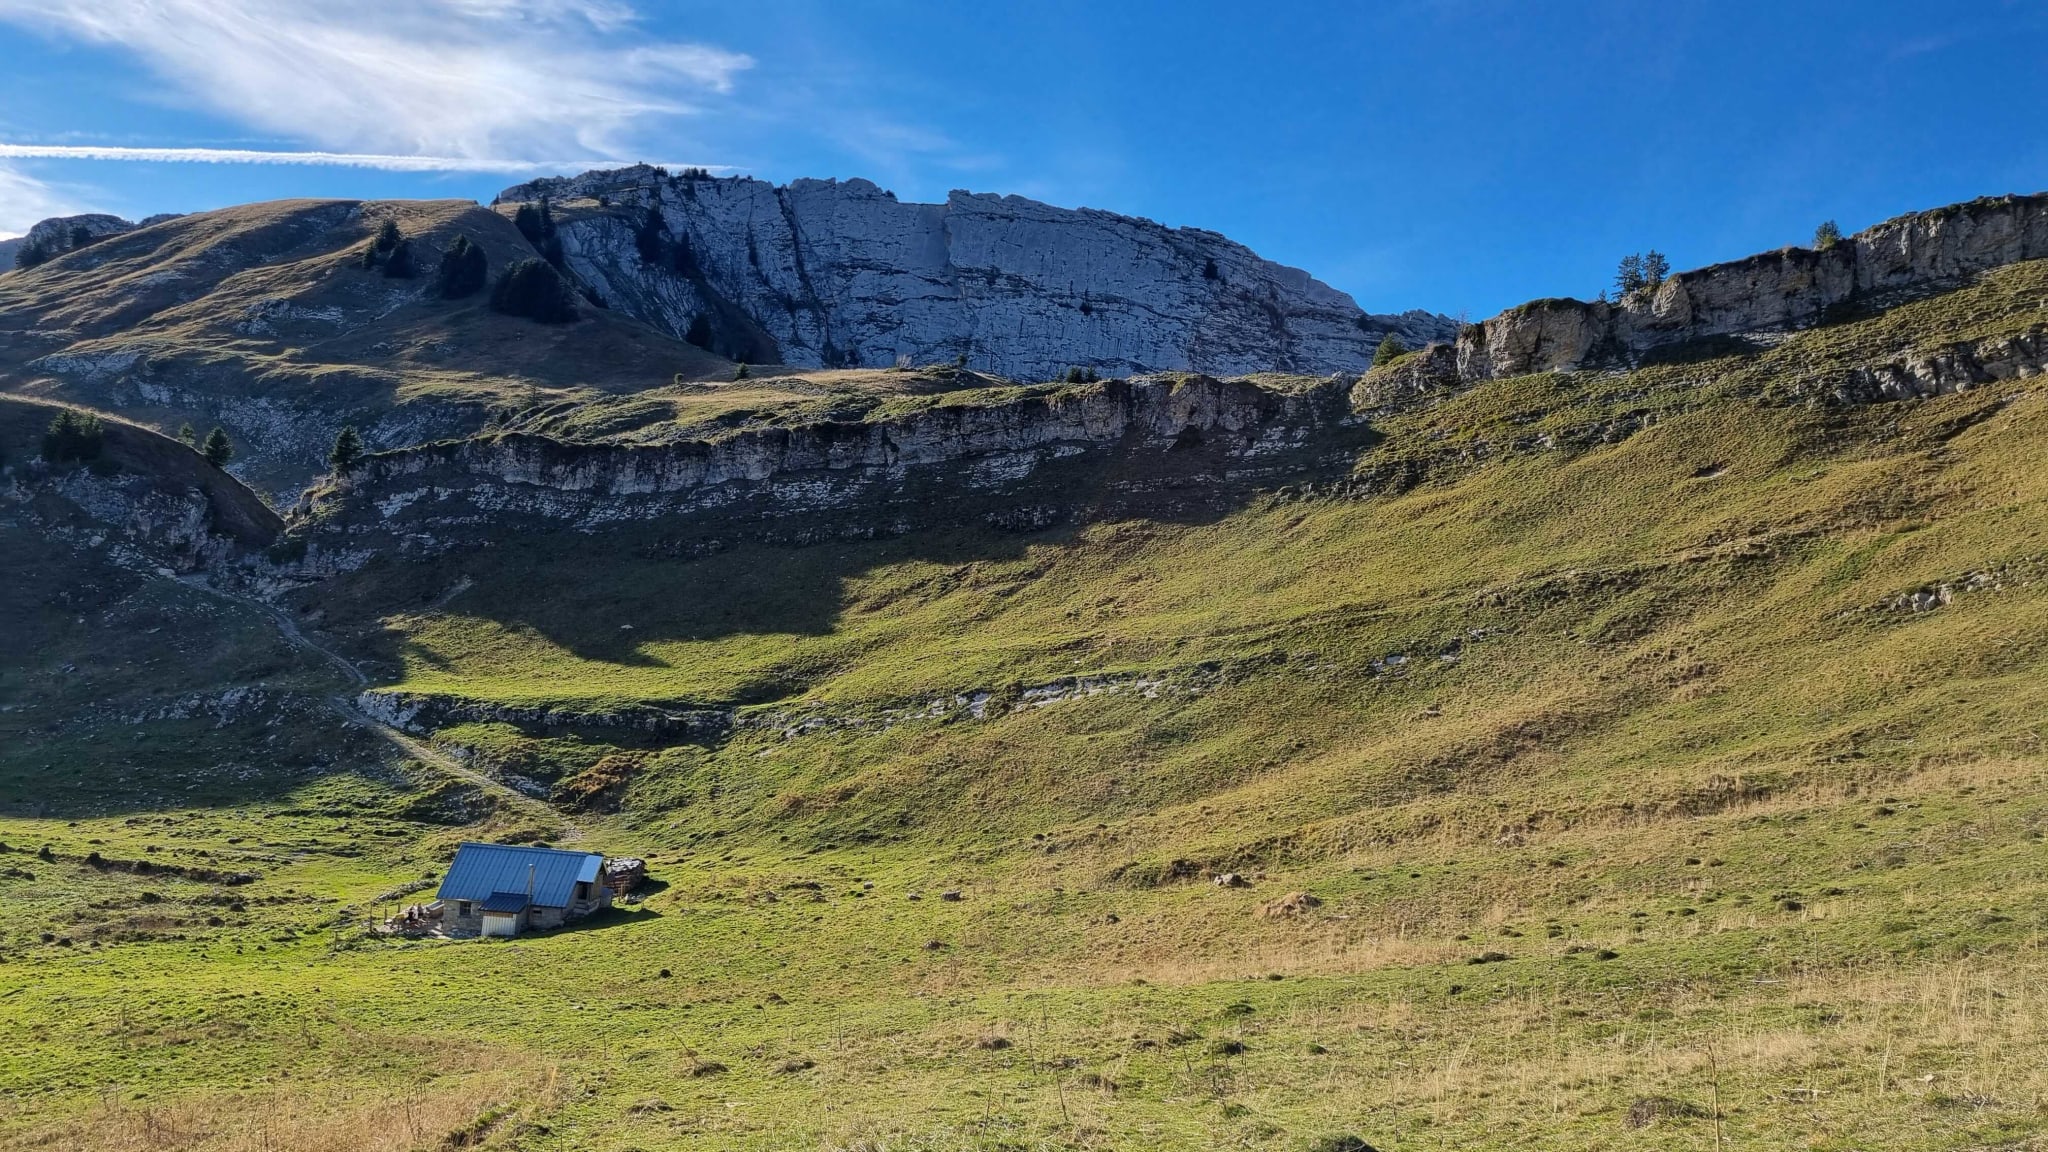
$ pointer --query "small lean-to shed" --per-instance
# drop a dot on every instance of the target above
(504, 889)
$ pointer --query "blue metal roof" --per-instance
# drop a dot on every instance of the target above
(483, 870)
(505, 902)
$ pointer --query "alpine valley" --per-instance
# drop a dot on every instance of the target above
(1069, 684)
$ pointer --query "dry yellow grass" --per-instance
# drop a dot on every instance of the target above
(483, 1101)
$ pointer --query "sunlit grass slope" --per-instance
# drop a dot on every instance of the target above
(1662, 757)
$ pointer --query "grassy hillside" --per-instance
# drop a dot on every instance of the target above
(1645, 760)
(260, 318)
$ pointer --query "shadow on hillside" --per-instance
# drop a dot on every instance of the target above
(615, 916)
(621, 598)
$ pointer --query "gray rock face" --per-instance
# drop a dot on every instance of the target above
(1951, 368)
(425, 714)
(62, 233)
(1408, 382)
(1027, 463)
(137, 523)
(821, 273)
(1772, 292)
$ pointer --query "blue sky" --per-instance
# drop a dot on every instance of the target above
(1455, 155)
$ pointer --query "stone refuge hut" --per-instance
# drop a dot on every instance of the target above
(504, 889)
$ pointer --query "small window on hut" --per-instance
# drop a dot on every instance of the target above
(583, 889)
(462, 907)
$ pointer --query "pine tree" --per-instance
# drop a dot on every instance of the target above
(1629, 277)
(73, 435)
(740, 372)
(1655, 268)
(388, 236)
(550, 243)
(648, 237)
(1390, 349)
(1826, 236)
(217, 450)
(527, 220)
(464, 269)
(536, 291)
(187, 436)
(368, 260)
(399, 264)
(348, 448)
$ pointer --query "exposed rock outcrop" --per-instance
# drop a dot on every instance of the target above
(60, 234)
(823, 273)
(944, 461)
(424, 713)
(1948, 368)
(1408, 381)
(261, 319)
(147, 500)
(1768, 293)
(63, 233)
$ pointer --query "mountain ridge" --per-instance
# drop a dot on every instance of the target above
(1570, 759)
(1762, 294)
(260, 318)
(836, 273)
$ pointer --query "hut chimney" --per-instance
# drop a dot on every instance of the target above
(529, 883)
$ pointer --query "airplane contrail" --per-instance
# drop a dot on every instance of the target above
(388, 163)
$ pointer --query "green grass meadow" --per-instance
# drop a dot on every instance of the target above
(1606, 789)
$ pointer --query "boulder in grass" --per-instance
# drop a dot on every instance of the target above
(1291, 905)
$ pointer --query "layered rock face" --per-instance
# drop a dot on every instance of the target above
(1949, 368)
(1034, 460)
(1773, 292)
(821, 273)
(146, 502)
(63, 233)
(60, 234)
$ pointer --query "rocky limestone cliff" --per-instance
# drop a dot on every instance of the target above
(947, 462)
(823, 273)
(1769, 293)
(60, 234)
(148, 501)
(261, 319)
(1948, 368)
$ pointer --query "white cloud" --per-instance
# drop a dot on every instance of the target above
(472, 80)
(386, 162)
(25, 200)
